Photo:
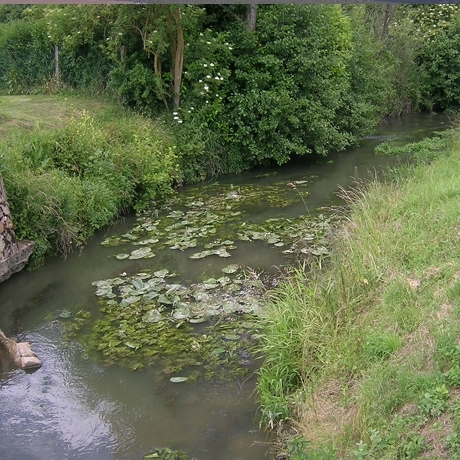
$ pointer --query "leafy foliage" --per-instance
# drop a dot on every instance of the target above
(289, 80)
(26, 55)
(64, 184)
(440, 66)
(305, 81)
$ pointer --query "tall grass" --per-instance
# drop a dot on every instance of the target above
(67, 182)
(360, 352)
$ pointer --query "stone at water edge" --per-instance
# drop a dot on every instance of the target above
(27, 358)
(24, 349)
(30, 362)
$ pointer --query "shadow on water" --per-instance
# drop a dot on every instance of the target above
(75, 408)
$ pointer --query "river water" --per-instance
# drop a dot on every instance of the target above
(77, 408)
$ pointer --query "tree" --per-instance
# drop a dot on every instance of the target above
(162, 30)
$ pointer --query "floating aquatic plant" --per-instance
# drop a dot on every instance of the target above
(167, 454)
(148, 318)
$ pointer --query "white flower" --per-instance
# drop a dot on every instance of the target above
(176, 118)
(200, 81)
(208, 76)
(179, 121)
(208, 43)
(175, 113)
(212, 65)
(216, 78)
(205, 65)
(230, 48)
(206, 87)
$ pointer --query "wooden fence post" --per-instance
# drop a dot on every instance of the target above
(56, 63)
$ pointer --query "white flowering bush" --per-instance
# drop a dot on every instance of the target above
(206, 75)
(432, 20)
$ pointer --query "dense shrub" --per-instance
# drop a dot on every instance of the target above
(440, 69)
(286, 84)
(285, 89)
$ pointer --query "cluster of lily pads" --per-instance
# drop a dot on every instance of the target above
(177, 302)
(207, 328)
(202, 217)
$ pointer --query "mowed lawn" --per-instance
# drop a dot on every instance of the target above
(29, 111)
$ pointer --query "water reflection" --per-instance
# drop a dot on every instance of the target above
(51, 413)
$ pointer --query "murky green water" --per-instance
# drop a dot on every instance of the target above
(76, 408)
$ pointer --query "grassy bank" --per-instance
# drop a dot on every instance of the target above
(72, 165)
(362, 355)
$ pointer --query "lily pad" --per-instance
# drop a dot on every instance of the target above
(233, 268)
(122, 256)
(148, 241)
(164, 300)
(153, 316)
(200, 255)
(197, 320)
(105, 291)
(181, 313)
(232, 337)
(218, 351)
(138, 284)
(142, 253)
(65, 314)
(178, 379)
(129, 300)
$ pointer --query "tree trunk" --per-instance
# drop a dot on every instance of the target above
(178, 58)
(388, 17)
(251, 16)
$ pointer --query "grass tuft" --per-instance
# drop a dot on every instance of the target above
(362, 352)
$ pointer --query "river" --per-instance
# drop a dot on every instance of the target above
(75, 407)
